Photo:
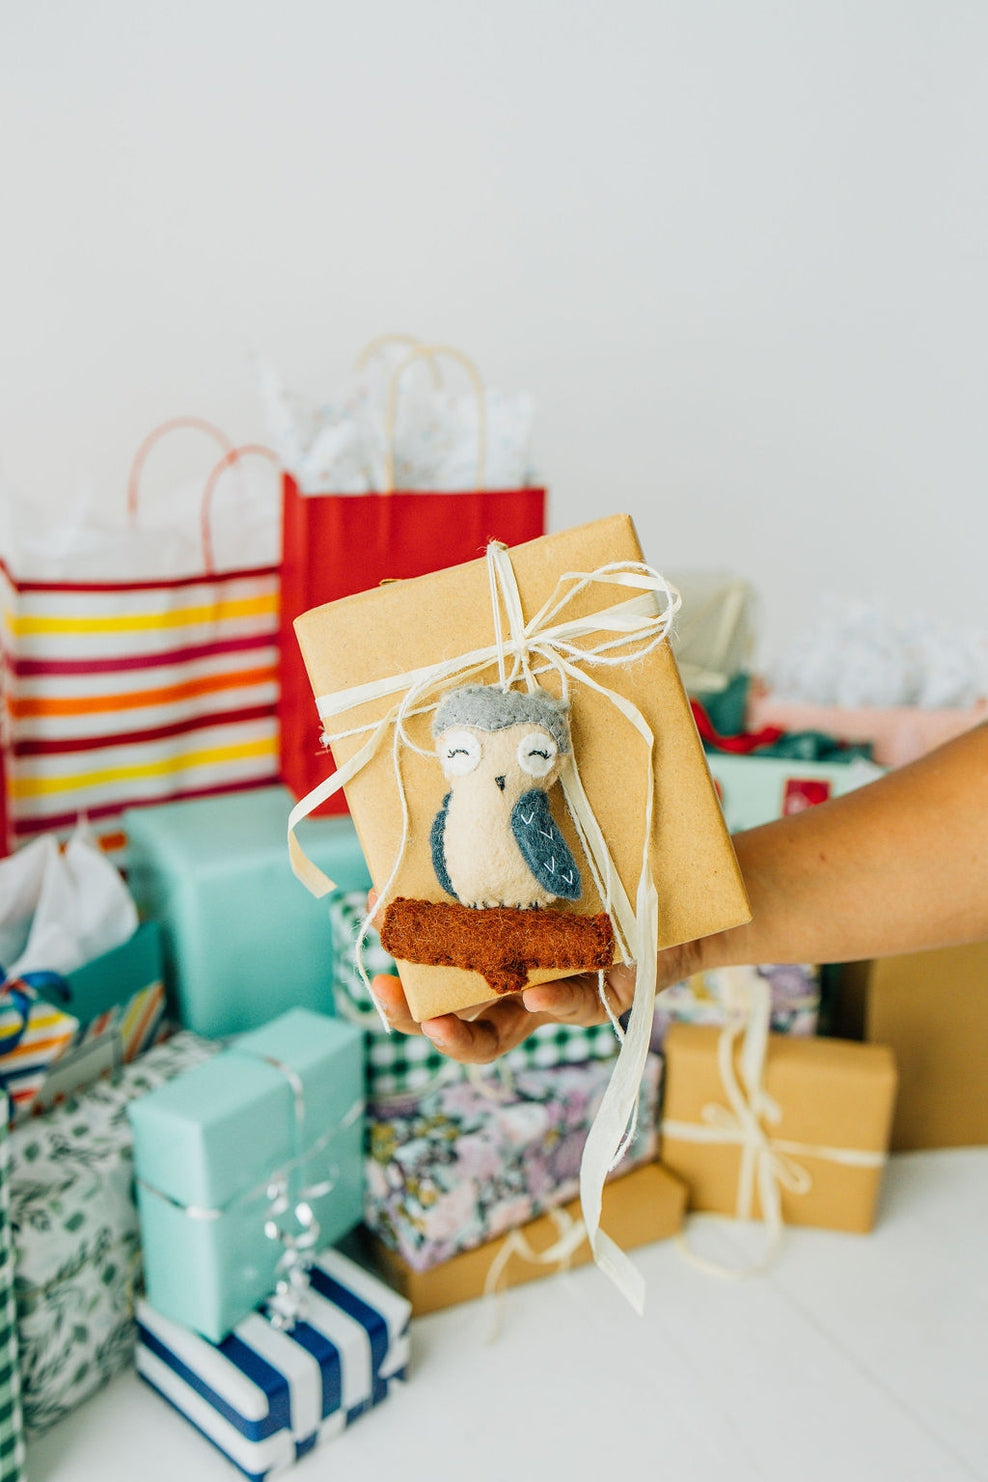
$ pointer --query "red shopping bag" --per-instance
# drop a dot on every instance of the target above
(336, 544)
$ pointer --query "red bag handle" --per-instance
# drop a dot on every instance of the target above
(230, 457)
(174, 424)
(422, 352)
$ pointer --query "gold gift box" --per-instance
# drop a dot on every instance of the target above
(408, 625)
(639, 1208)
(836, 1100)
(931, 1009)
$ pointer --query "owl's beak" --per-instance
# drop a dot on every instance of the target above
(501, 781)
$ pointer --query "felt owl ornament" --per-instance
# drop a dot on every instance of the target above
(494, 840)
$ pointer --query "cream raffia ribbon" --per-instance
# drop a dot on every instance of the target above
(570, 1235)
(549, 642)
(768, 1163)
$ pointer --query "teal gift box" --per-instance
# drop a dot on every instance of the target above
(243, 940)
(755, 789)
(233, 1157)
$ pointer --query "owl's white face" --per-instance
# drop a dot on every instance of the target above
(508, 762)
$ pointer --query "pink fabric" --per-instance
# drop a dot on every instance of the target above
(899, 735)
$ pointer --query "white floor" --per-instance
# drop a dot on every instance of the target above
(855, 1359)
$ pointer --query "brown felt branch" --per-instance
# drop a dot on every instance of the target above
(501, 943)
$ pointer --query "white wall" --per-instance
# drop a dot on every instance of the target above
(737, 249)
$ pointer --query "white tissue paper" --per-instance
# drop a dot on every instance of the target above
(60, 909)
(859, 654)
(339, 445)
(94, 539)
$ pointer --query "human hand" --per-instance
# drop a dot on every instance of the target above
(504, 1023)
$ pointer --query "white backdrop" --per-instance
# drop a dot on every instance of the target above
(737, 250)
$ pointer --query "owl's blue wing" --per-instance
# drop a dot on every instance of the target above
(437, 841)
(543, 847)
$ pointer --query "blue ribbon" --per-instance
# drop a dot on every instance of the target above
(21, 994)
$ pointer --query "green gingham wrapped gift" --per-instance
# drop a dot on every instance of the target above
(403, 1064)
(11, 1422)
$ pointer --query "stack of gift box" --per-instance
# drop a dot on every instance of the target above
(259, 1202)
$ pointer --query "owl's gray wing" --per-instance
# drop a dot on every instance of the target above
(437, 840)
(543, 847)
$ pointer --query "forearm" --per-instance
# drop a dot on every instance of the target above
(899, 865)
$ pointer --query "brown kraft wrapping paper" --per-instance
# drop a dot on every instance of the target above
(931, 1009)
(639, 1208)
(833, 1094)
(410, 625)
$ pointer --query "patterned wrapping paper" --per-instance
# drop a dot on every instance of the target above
(468, 1161)
(704, 998)
(11, 1414)
(398, 1065)
(265, 1397)
(75, 1234)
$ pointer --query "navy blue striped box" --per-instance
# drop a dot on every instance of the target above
(265, 1397)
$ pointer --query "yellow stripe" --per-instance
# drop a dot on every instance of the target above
(35, 787)
(23, 624)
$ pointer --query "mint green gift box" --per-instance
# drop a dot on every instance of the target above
(280, 1110)
(243, 939)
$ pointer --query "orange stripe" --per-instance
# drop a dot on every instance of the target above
(189, 689)
(136, 1035)
(36, 1046)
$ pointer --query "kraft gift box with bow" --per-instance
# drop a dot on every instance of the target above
(267, 1395)
(786, 1129)
(574, 617)
(641, 1207)
(245, 1163)
(75, 1232)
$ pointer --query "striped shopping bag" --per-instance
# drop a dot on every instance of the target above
(128, 692)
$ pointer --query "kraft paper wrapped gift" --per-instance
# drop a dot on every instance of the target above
(639, 1208)
(11, 1413)
(265, 1396)
(227, 1156)
(468, 1161)
(931, 1009)
(822, 1155)
(75, 1232)
(242, 941)
(402, 631)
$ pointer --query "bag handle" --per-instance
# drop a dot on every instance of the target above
(230, 457)
(174, 424)
(396, 338)
(422, 352)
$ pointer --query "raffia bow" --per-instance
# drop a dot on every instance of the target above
(552, 641)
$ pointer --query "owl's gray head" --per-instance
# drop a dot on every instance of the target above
(489, 708)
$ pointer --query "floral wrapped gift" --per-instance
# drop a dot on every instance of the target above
(267, 1394)
(471, 1160)
(398, 1064)
(243, 1157)
(708, 998)
(75, 1233)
